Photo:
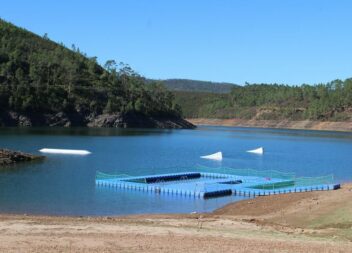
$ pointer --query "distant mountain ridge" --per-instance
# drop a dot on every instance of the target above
(197, 86)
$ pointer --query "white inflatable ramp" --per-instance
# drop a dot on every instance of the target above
(65, 151)
(216, 156)
(258, 151)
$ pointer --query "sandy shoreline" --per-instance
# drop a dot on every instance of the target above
(281, 124)
(301, 222)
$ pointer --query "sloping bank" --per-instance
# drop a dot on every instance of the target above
(284, 124)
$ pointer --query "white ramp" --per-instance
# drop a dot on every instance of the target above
(216, 156)
(258, 151)
(65, 151)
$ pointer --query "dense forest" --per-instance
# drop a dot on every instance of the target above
(331, 101)
(38, 76)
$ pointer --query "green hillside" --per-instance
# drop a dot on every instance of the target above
(331, 101)
(39, 76)
(45, 83)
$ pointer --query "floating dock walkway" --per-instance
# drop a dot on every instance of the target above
(210, 185)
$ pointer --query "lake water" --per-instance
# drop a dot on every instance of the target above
(65, 185)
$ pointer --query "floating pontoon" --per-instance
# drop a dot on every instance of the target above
(65, 151)
(209, 185)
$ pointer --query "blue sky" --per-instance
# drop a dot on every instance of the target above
(292, 41)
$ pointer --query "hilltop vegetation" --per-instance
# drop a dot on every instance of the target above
(331, 101)
(197, 86)
(39, 77)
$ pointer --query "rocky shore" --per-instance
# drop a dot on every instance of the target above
(118, 120)
(8, 157)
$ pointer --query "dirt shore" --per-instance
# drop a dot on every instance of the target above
(284, 124)
(301, 222)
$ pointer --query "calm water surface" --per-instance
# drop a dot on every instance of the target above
(65, 185)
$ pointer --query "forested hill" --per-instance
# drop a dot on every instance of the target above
(197, 86)
(323, 102)
(45, 83)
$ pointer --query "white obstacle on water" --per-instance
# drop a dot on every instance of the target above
(216, 156)
(258, 151)
(65, 151)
